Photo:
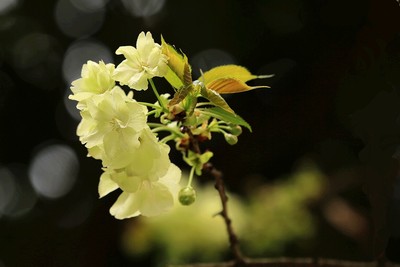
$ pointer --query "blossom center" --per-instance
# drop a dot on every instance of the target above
(117, 124)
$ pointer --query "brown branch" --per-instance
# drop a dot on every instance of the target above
(233, 240)
(292, 262)
(239, 260)
(193, 142)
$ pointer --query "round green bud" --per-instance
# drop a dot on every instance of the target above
(187, 196)
(235, 129)
(231, 139)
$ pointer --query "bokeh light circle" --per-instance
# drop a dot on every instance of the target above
(7, 189)
(79, 53)
(78, 22)
(17, 196)
(70, 106)
(37, 57)
(53, 170)
(90, 5)
(7, 5)
(143, 8)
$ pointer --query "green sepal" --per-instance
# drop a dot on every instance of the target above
(181, 94)
(197, 160)
(229, 117)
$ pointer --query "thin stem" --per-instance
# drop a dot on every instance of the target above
(157, 127)
(149, 105)
(155, 124)
(168, 138)
(191, 175)
(151, 112)
(156, 93)
(167, 129)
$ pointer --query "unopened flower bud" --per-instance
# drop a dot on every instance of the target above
(235, 130)
(187, 196)
(230, 138)
(176, 112)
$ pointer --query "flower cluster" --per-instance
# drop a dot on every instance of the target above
(115, 127)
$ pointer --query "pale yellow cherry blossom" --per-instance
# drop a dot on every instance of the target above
(111, 126)
(149, 183)
(150, 198)
(141, 63)
(149, 161)
(96, 78)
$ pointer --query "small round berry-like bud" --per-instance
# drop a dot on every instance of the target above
(187, 196)
(235, 130)
(231, 139)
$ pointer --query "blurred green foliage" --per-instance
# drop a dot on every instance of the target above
(266, 220)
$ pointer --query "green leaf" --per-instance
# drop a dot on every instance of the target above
(173, 79)
(226, 116)
(215, 98)
(179, 71)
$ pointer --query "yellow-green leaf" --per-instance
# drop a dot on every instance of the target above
(178, 64)
(230, 85)
(173, 79)
(215, 98)
(230, 79)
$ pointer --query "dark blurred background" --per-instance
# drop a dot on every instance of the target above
(334, 99)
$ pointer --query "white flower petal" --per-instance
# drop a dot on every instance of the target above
(172, 177)
(129, 52)
(139, 81)
(156, 199)
(145, 44)
(106, 185)
(118, 150)
(126, 206)
(127, 183)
